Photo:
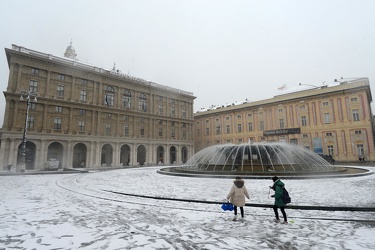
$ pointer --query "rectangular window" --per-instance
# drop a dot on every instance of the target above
(83, 95)
(108, 128)
(109, 116)
(360, 150)
(84, 81)
(330, 150)
(33, 86)
(329, 134)
(183, 113)
(218, 129)
(250, 126)
(239, 128)
(58, 109)
(160, 109)
(354, 99)
(355, 113)
(32, 105)
(238, 116)
(60, 91)
(184, 135)
(82, 112)
(172, 133)
(207, 131)
(228, 129)
(126, 130)
(160, 132)
(173, 110)
(61, 77)
(325, 103)
(34, 71)
(261, 125)
(160, 98)
(249, 115)
(30, 122)
(303, 120)
(57, 123)
(198, 132)
(358, 132)
(305, 136)
(327, 118)
(142, 131)
(173, 101)
(281, 122)
(126, 118)
(81, 126)
(280, 110)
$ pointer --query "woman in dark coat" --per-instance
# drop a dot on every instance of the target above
(237, 196)
(278, 186)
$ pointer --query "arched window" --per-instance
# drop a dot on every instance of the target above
(109, 96)
(127, 99)
(142, 102)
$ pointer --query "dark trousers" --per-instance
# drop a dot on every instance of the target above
(241, 209)
(282, 211)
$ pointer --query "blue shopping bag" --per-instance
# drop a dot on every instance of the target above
(227, 206)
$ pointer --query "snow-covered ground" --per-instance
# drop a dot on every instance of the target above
(76, 211)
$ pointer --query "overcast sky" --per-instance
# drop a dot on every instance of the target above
(221, 51)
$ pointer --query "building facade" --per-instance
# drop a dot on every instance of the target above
(86, 116)
(334, 121)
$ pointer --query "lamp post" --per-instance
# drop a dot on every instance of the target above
(28, 95)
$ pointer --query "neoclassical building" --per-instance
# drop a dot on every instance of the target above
(334, 121)
(86, 116)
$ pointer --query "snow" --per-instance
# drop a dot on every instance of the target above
(77, 211)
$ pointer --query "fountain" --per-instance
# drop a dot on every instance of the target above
(259, 160)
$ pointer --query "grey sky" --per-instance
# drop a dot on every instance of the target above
(222, 51)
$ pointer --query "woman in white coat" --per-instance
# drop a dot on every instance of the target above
(237, 196)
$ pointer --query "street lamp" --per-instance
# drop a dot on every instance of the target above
(28, 95)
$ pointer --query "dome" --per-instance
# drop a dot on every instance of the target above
(70, 52)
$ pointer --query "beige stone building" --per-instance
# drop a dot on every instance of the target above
(334, 121)
(87, 116)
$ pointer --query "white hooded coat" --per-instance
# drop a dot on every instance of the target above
(237, 193)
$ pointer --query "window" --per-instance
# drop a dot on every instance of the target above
(327, 118)
(30, 121)
(57, 123)
(260, 113)
(358, 132)
(218, 128)
(32, 105)
(228, 129)
(184, 135)
(142, 106)
(302, 107)
(173, 101)
(160, 98)
(239, 128)
(329, 134)
(353, 99)
(207, 131)
(239, 116)
(109, 96)
(249, 115)
(261, 125)
(325, 103)
(84, 81)
(172, 123)
(198, 132)
(34, 71)
(82, 112)
(33, 86)
(60, 91)
(355, 113)
(330, 150)
(127, 99)
(109, 116)
(160, 109)
(126, 118)
(280, 110)
(303, 120)
(58, 109)
(173, 132)
(281, 122)
(81, 126)
(184, 125)
(160, 132)
(360, 150)
(173, 110)
(107, 128)
(161, 122)
(183, 113)
(83, 95)
(126, 129)
(142, 131)
(61, 77)
(227, 118)
(305, 136)
(250, 126)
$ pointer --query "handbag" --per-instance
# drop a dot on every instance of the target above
(227, 206)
